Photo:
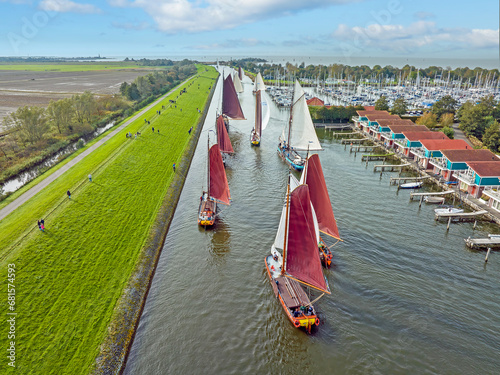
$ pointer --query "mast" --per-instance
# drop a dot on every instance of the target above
(286, 224)
(208, 166)
(290, 120)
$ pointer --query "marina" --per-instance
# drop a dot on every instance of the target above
(407, 296)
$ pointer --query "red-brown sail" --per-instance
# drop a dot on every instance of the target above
(315, 179)
(258, 114)
(230, 104)
(222, 136)
(219, 188)
(302, 256)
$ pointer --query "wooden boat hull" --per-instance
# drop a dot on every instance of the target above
(207, 211)
(434, 200)
(325, 255)
(411, 185)
(286, 157)
(281, 286)
(254, 139)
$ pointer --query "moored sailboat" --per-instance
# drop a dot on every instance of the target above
(314, 178)
(237, 84)
(256, 133)
(217, 188)
(300, 264)
(299, 134)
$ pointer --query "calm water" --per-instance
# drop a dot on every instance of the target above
(407, 297)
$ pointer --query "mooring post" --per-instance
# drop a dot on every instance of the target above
(449, 222)
(487, 255)
(421, 199)
(475, 223)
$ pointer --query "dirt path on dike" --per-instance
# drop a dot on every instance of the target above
(4, 212)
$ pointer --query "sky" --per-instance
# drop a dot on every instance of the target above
(251, 28)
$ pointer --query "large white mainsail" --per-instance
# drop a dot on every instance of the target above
(259, 83)
(302, 135)
(237, 83)
(266, 109)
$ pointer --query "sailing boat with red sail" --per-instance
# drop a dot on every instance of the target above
(300, 264)
(218, 188)
(260, 123)
(231, 107)
(222, 137)
(313, 176)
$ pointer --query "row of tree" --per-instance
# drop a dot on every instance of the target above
(377, 72)
(333, 113)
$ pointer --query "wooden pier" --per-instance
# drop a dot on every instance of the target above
(339, 134)
(388, 167)
(353, 140)
(357, 149)
(371, 157)
(482, 243)
(399, 180)
(422, 195)
(464, 216)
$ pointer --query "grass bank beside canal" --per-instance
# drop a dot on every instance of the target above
(69, 278)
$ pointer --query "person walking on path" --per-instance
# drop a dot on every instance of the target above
(90, 177)
(189, 131)
(158, 131)
(39, 225)
(42, 225)
(153, 128)
(173, 166)
(69, 194)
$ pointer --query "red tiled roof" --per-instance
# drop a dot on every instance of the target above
(445, 144)
(368, 112)
(316, 102)
(375, 116)
(485, 168)
(417, 136)
(405, 128)
(394, 121)
(470, 155)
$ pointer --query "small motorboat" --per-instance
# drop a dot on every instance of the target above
(411, 185)
(448, 210)
(433, 200)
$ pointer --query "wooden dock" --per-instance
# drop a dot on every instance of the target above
(357, 149)
(398, 180)
(388, 167)
(340, 134)
(439, 193)
(464, 216)
(371, 157)
(482, 243)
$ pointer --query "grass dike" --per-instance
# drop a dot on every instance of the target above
(83, 281)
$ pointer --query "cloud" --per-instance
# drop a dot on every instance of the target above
(417, 35)
(65, 6)
(173, 16)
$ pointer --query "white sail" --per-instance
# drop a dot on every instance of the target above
(303, 135)
(316, 224)
(293, 182)
(266, 110)
(237, 83)
(280, 234)
(259, 83)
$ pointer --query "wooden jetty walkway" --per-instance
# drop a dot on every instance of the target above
(363, 148)
(389, 167)
(339, 134)
(353, 140)
(422, 195)
(370, 157)
(398, 180)
(463, 216)
(482, 243)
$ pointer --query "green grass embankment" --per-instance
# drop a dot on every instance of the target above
(69, 278)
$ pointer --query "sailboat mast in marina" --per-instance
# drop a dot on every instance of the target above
(313, 176)
(217, 187)
(300, 134)
(231, 108)
(300, 262)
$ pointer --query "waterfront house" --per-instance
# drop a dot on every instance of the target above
(455, 161)
(432, 148)
(384, 129)
(396, 132)
(412, 139)
(479, 176)
(361, 122)
(315, 102)
(373, 122)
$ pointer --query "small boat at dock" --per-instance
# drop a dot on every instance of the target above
(433, 200)
(448, 210)
(411, 185)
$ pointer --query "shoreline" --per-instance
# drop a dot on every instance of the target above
(115, 347)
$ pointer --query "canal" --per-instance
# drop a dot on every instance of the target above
(407, 296)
